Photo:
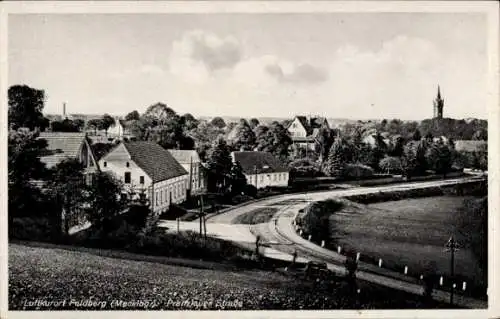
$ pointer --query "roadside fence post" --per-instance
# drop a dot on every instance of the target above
(380, 262)
(358, 255)
(339, 249)
(322, 243)
(406, 270)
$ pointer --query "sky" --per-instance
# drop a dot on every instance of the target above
(338, 65)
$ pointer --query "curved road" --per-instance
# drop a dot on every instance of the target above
(280, 234)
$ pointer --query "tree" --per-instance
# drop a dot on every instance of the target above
(245, 137)
(105, 199)
(132, 116)
(409, 158)
(24, 165)
(189, 122)
(416, 135)
(94, 124)
(397, 147)
(480, 135)
(390, 164)
(325, 140)
(106, 122)
(275, 140)
(253, 123)
(237, 179)
(159, 113)
(66, 125)
(24, 151)
(218, 166)
(68, 189)
(378, 151)
(439, 157)
(25, 108)
(218, 122)
(336, 163)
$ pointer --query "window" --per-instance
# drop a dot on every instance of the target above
(105, 164)
(141, 179)
(261, 178)
(156, 198)
(279, 177)
(161, 196)
(274, 177)
(127, 177)
(128, 164)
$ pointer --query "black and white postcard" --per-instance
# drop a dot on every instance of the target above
(292, 159)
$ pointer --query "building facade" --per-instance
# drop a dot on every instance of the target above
(304, 130)
(147, 167)
(190, 161)
(262, 169)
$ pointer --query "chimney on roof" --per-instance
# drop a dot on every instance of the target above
(64, 110)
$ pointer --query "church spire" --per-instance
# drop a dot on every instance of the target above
(438, 105)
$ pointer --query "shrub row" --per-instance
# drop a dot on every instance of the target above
(472, 188)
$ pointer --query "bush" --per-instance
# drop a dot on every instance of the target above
(391, 164)
(30, 228)
(357, 171)
(315, 218)
(250, 190)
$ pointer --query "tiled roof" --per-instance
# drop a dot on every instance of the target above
(469, 145)
(185, 156)
(264, 162)
(61, 145)
(156, 161)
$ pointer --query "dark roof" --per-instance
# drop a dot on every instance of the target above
(264, 162)
(156, 161)
(310, 124)
(185, 156)
(60, 146)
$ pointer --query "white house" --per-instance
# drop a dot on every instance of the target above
(304, 130)
(190, 160)
(262, 169)
(116, 130)
(146, 166)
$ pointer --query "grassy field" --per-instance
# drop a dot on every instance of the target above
(256, 216)
(409, 232)
(85, 281)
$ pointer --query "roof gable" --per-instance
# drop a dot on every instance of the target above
(60, 146)
(258, 162)
(154, 160)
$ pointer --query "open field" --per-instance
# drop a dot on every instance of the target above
(409, 232)
(56, 275)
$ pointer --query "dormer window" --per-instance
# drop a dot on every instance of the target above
(128, 164)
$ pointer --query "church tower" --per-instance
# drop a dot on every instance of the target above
(438, 105)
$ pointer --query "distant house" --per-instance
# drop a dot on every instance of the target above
(190, 160)
(262, 169)
(469, 145)
(116, 130)
(148, 167)
(304, 130)
(62, 145)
